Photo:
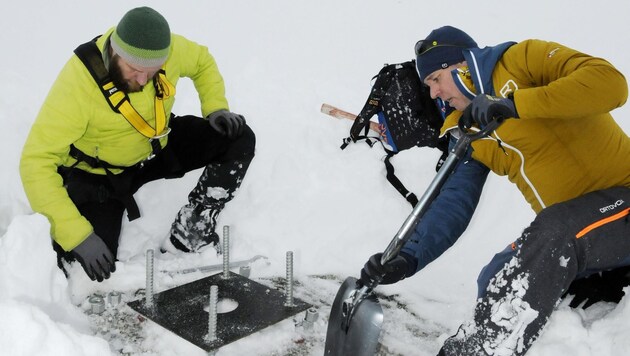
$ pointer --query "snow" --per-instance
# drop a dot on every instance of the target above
(281, 60)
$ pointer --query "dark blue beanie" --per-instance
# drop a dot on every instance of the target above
(442, 48)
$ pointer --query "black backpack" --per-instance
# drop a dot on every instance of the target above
(407, 116)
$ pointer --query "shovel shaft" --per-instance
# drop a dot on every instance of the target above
(412, 220)
(456, 154)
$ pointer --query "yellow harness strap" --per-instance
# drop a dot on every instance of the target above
(120, 100)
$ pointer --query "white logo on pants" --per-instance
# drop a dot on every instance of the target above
(611, 207)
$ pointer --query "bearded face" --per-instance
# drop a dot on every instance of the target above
(128, 78)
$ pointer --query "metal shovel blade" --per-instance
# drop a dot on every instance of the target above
(358, 335)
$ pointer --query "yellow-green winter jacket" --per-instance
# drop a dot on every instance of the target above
(76, 112)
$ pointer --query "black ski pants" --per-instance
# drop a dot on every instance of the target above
(523, 284)
(192, 144)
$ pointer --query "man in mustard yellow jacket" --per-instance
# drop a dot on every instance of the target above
(106, 128)
(559, 145)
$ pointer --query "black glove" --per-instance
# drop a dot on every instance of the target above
(227, 123)
(95, 258)
(393, 271)
(486, 108)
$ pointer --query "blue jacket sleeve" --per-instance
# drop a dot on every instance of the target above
(449, 214)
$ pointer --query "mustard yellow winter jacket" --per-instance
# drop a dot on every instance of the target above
(565, 143)
(76, 112)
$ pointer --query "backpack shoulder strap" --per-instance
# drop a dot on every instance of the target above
(396, 183)
(382, 81)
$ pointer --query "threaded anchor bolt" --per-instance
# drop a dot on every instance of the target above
(212, 310)
(289, 288)
(226, 251)
(148, 294)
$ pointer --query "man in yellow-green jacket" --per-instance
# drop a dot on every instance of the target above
(563, 150)
(106, 128)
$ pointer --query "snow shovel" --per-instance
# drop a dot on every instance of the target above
(356, 316)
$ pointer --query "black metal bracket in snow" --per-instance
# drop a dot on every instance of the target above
(184, 309)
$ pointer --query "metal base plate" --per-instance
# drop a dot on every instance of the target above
(184, 309)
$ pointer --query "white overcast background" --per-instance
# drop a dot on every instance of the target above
(281, 59)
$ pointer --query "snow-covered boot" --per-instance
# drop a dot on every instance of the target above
(193, 228)
(195, 224)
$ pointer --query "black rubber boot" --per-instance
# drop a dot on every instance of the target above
(195, 224)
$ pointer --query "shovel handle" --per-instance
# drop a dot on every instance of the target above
(456, 153)
(349, 305)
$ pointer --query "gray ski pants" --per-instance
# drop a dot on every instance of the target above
(524, 283)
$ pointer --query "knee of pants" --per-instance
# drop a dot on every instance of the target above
(490, 270)
(243, 147)
(549, 230)
(545, 236)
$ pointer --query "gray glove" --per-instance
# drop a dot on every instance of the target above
(95, 258)
(227, 123)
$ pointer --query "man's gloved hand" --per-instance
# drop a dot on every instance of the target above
(485, 108)
(227, 123)
(95, 258)
(393, 271)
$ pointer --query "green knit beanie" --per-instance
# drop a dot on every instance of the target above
(142, 37)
